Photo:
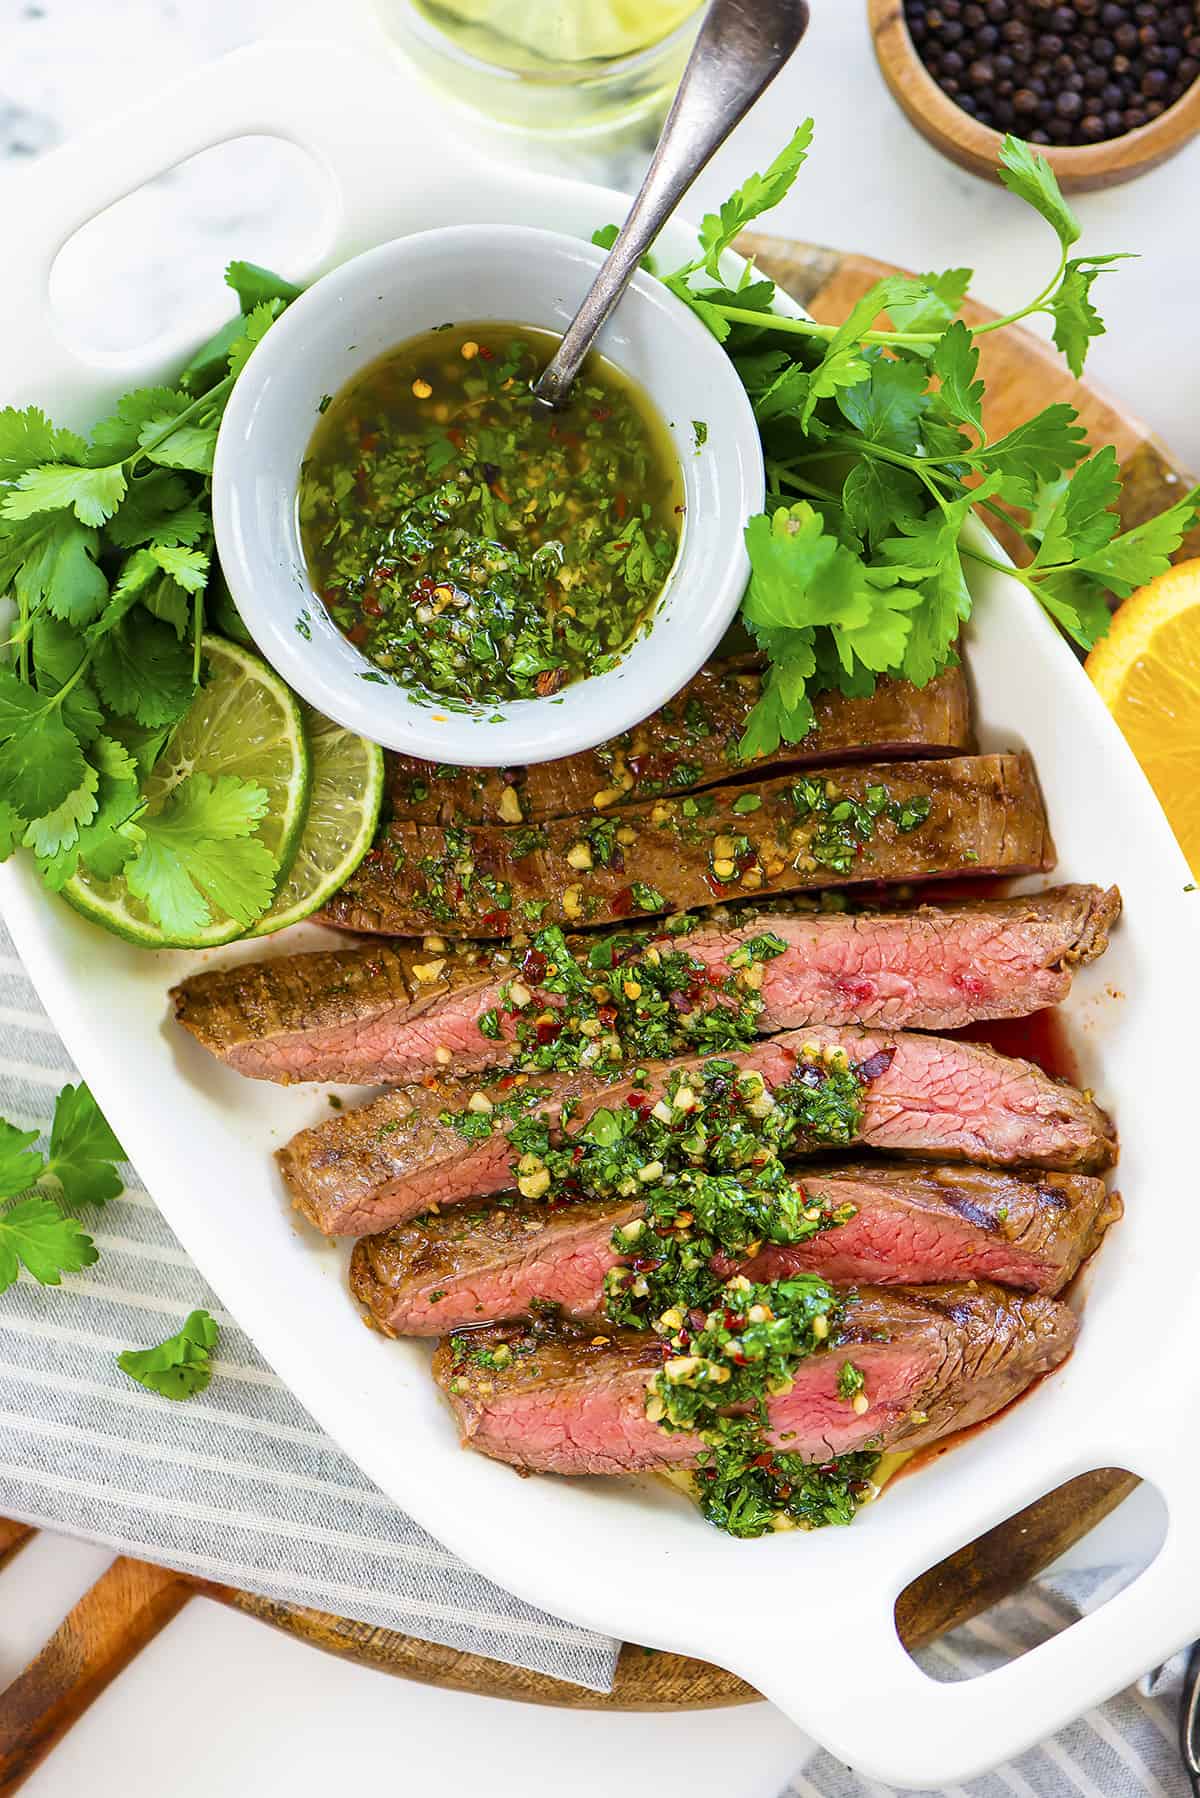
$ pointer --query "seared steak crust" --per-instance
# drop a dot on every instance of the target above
(985, 816)
(934, 1359)
(688, 744)
(911, 1225)
(381, 1013)
(366, 1169)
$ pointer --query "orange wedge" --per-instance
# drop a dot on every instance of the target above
(1147, 671)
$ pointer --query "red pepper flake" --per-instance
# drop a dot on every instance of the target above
(639, 1101)
(621, 903)
(357, 635)
(620, 505)
(371, 605)
(607, 1014)
(548, 1030)
(367, 441)
(533, 968)
(488, 355)
(495, 923)
(601, 412)
(764, 1460)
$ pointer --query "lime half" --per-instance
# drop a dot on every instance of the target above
(343, 810)
(243, 721)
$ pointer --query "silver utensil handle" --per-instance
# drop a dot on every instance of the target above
(741, 47)
(1189, 1719)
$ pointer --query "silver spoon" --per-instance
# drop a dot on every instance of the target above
(741, 47)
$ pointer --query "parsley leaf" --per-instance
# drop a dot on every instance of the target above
(179, 1367)
(83, 1149)
(1076, 320)
(20, 1165)
(36, 1235)
(955, 362)
(1031, 178)
(756, 195)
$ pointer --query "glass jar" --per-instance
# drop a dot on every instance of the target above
(562, 66)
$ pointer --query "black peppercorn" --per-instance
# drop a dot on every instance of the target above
(1076, 72)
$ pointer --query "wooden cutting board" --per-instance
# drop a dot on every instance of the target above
(134, 1600)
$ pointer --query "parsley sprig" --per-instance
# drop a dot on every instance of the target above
(106, 548)
(876, 455)
(79, 1166)
(179, 1367)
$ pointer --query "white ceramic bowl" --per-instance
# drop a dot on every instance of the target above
(366, 307)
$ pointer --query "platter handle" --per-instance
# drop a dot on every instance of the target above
(367, 135)
(854, 1684)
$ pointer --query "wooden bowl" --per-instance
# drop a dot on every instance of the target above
(977, 147)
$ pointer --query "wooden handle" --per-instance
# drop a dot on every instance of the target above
(124, 1610)
(12, 1537)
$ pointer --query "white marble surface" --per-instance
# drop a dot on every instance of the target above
(218, 1704)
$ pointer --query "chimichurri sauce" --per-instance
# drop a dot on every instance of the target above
(475, 545)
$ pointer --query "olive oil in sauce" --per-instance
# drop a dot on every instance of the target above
(475, 545)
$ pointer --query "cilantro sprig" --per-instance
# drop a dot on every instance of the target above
(876, 454)
(79, 1166)
(106, 548)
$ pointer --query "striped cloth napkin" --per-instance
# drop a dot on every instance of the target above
(238, 1485)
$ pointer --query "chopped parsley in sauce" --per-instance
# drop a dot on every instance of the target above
(475, 545)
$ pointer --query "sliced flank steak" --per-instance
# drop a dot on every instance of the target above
(387, 1013)
(366, 1169)
(910, 1225)
(692, 742)
(824, 827)
(933, 1359)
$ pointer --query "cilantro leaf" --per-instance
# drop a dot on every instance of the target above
(93, 494)
(59, 829)
(756, 195)
(158, 508)
(83, 1149)
(254, 329)
(59, 569)
(1031, 178)
(28, 438)
(19, 1165)
(200, 849)
(118, 437)
(144, 672)
(37, 1235)
(955, 362)
(100, 842)
(41, 764)
(253, 284)
(189, 445)
(179, 1367)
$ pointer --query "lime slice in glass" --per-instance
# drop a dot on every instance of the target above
(343, 811)
(243, 721)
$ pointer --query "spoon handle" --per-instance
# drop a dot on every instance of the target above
(741, 47)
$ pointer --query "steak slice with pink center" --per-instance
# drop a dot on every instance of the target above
(933, 1359)
(910, 1225)
(936, 1097)
(388, 1013)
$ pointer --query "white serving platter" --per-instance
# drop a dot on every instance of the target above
(807, 1619)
